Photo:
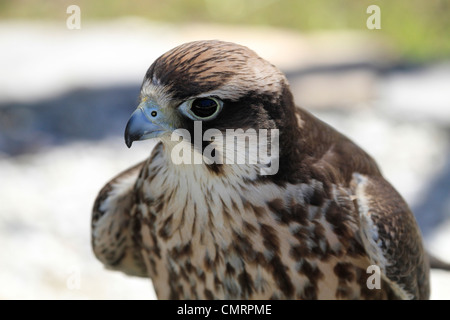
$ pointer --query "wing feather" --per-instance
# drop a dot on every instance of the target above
(392, 237)
(112, 227)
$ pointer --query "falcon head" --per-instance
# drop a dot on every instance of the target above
(223, 85)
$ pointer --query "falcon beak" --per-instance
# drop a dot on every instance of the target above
(144, 123)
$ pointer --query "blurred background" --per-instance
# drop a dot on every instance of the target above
(67, 90)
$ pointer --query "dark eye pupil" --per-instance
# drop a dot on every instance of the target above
(204, 107)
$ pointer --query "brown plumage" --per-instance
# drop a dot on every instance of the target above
(227, 231)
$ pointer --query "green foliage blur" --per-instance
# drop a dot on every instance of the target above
(419, 28)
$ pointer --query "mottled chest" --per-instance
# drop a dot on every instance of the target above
(255, 241)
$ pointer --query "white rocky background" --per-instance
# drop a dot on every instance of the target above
(65, 97)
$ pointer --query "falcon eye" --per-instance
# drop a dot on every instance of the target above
(204, 108)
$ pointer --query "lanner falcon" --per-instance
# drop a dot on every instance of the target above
(320, 226)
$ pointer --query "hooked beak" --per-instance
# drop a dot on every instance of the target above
(141, 126)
